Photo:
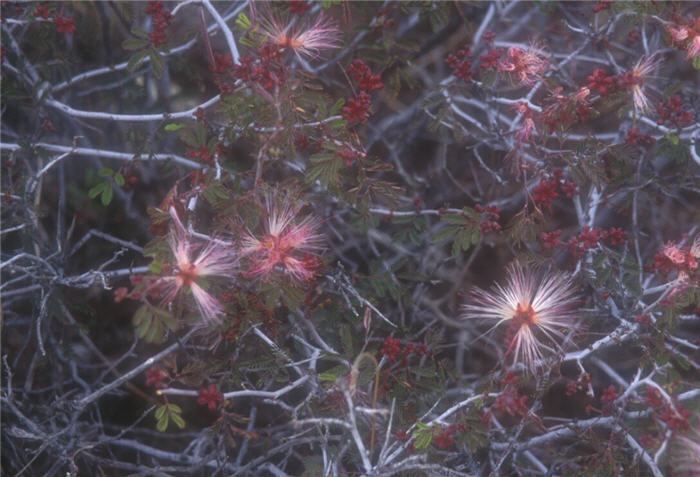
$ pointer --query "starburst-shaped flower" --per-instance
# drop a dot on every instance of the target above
(527, 65)
(286, 243)
(193, 261)
(303, 38)
(635, 80)
(535, 304)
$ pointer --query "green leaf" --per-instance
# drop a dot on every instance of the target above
(428, 372)
(189, 138)
(338, 124)
(335, 109)
(97, 190)
(178, 420)
(415, 237)
(216, 194)
(334, 373)
(456, 219)
(682, 362)
(243, 21)
(326, 170)
(422, 427)
(321, 157)
(174, 127)
(142, 320)
(394, 291)
(151, 322)
(139, 32)
(140, 315)
(155, 268)
(475, 236)
(167, 318)
(107, 194)
(106, 172)
(696, 62)
(423, 440)
(346, 340)
(157, 63)
(322, 111)
(201, 131)
(162, 424)
(119, 179)
(444, 234)
(471, 213)
(136, 60)
(246, 42)
(293, 297)
(160, 412)
(135, 44)
(457, 246)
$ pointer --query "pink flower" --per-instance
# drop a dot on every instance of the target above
(674, 254)
(525, 64)
(693, 48)
(306, 40)
(678, 34)
(695, 248)
(634, 81)
(532, 303)
(214, 259)
(284, 243)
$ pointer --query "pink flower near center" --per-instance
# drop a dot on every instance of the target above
(193, 261)
(284, 244)
(532, 304)
(527, 65)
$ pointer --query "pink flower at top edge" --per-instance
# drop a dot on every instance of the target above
(193, 261)
(285, 243)
(532, 303)
(305, 39)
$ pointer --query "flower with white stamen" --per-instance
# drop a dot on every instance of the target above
(193, 261)
(536, 306)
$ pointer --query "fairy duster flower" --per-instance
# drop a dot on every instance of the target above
(527, 65)
(635, 82)
(534, 304)
(193, 261)
(305, 39)
(286, 243)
